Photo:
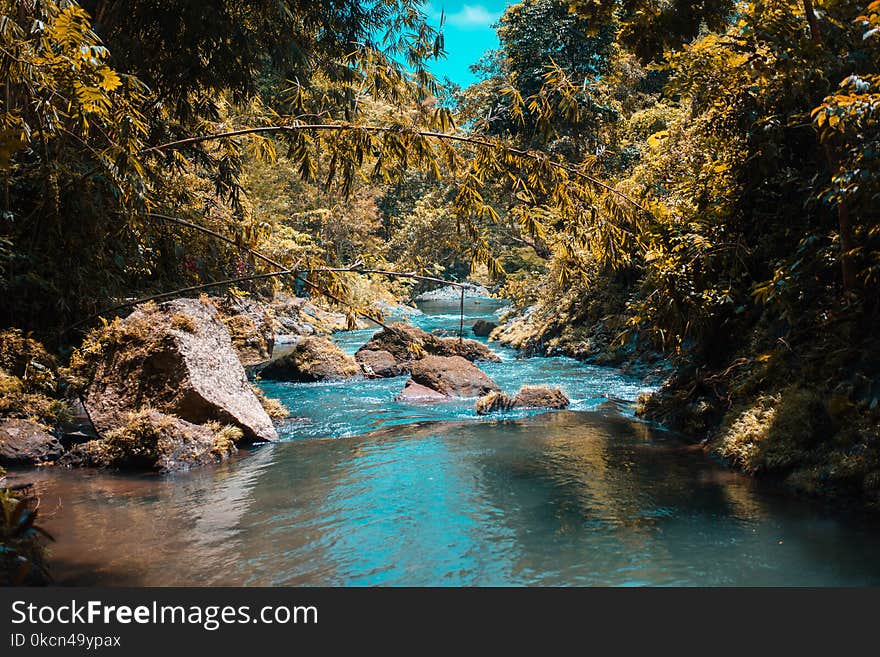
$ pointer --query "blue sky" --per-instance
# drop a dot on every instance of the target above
(468, 33)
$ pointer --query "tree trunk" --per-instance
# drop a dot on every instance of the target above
(844, 223)
(847, 244)
(813, 21)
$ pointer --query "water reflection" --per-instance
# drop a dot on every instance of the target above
(557, 499)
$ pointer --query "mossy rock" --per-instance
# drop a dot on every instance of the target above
(26, 443)
(176, 358)
(150, 440)
(311, 359)
(408, 344)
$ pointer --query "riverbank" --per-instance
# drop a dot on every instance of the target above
(803, 409)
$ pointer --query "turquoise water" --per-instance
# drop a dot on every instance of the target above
(346, 409)
(364, 491)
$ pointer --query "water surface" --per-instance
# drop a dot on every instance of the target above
(365, 491)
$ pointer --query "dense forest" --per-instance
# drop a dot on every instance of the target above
(692, 184)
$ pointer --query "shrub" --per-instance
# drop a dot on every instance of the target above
(29, 381)
(776, 433)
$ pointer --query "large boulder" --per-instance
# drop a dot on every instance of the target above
(26, 443)
(527, 397)
(407, 344)
(250, 327)
(311, 359)
(378, 364)
(452, 376)
(176, 358)
(482, 328)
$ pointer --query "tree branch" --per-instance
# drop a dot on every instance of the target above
(282, 271)
(813, 21)
(473, 141)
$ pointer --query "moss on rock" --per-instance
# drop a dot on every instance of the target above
(155, 441)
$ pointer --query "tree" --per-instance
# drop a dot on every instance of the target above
(848, 123)
(85, 196)
(544, 49)
(653, 27)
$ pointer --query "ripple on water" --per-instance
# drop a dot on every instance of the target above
(437, 496)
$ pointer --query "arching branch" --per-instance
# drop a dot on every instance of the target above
(282, 271)
(536, 156)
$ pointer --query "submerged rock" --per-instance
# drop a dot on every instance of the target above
(482, 328)
(527, 397)
(378, 364)
(312, 359)
(452, 376)
(176, 358)
(407, 344)
(26, 443)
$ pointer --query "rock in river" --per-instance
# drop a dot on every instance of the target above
(452, 376)
(468, 349)
(527, 397)
(407, 344)
(26, 443)
(150, 440)
(176, 358)
(482, 328)
(541, 397)
(415, 393)
(311, 359)
(378, 364)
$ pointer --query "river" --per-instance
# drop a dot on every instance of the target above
(364, 491)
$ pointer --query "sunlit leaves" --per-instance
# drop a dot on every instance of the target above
(848, 124)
